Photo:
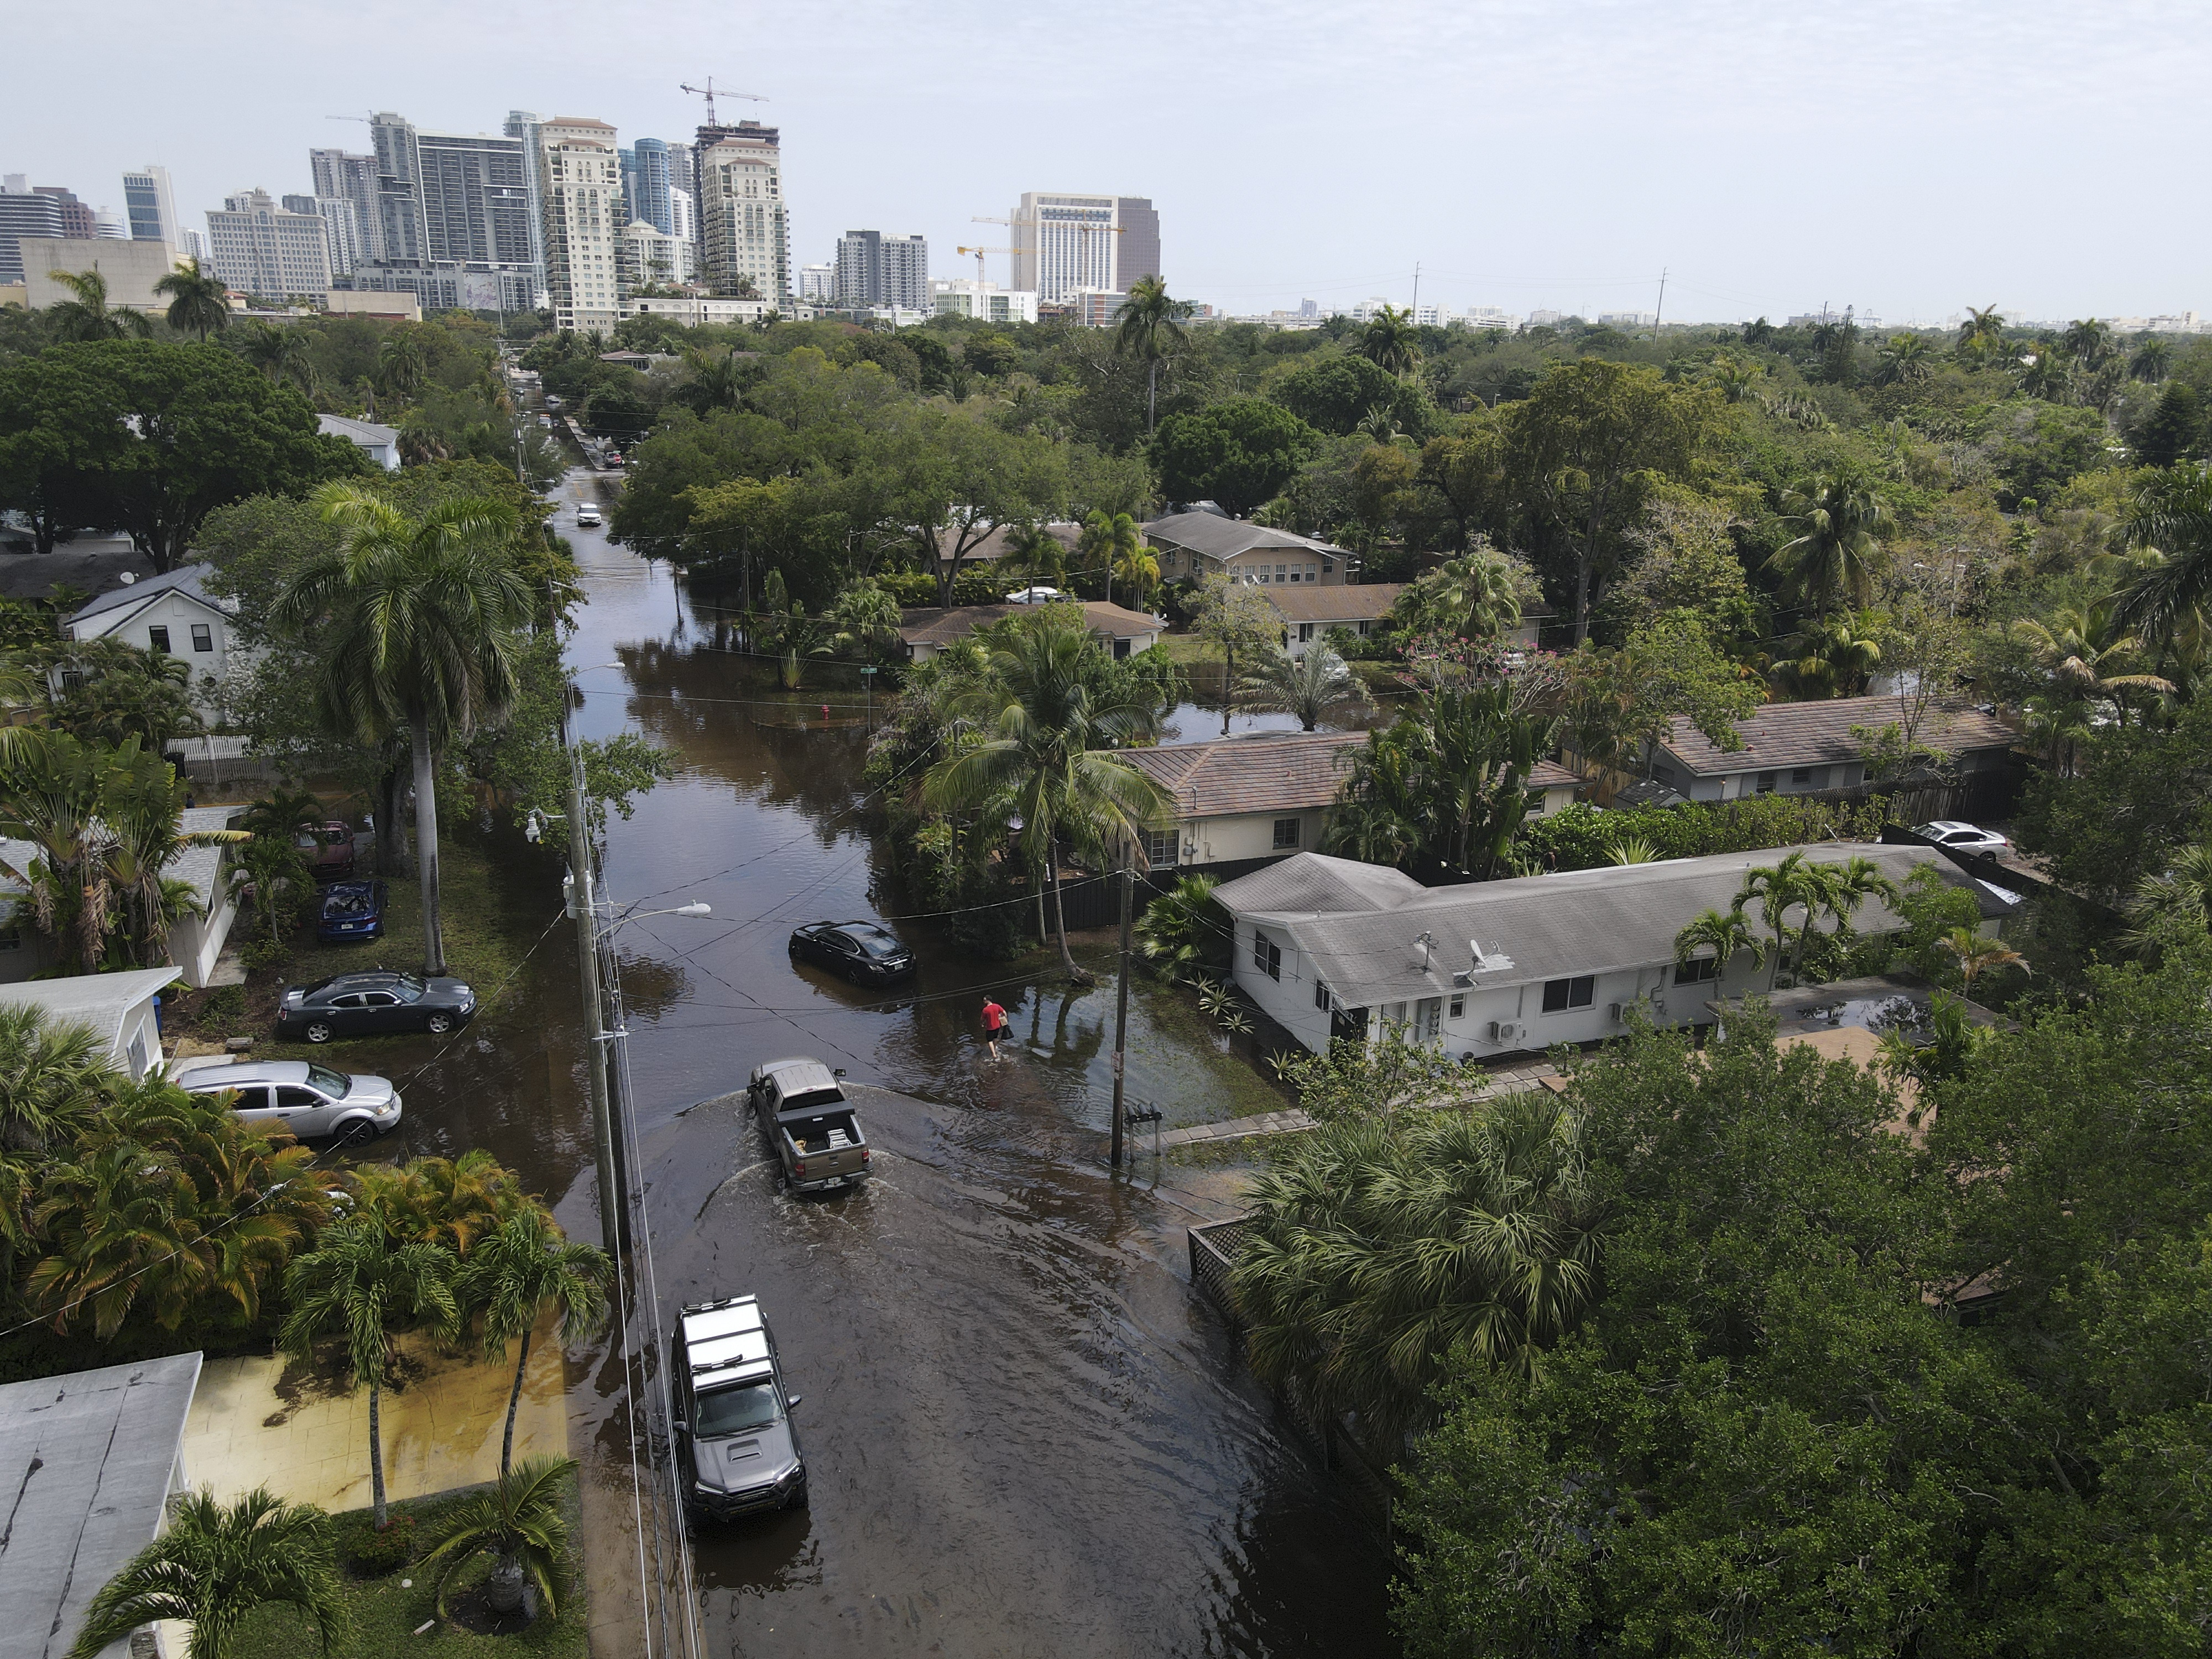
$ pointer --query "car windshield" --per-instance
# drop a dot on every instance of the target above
(732, 1411)
(333, 1084)
(410, 989)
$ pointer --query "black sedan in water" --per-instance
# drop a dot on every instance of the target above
(860, 951)
(371, 1003)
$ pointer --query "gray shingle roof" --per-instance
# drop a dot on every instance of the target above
(1359, 925)
(933, 627)
(186, 579)
(86, 1460)
(1270, 771)
(1311, 602)
(1222, 538)
(1820, 734)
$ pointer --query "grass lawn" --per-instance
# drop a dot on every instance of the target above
(385, 1615)
(1183, 649)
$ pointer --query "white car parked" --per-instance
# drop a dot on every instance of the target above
(1035, 596)
(1967, 837)
(306, 1099)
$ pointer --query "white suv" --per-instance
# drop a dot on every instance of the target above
(306, 1099)
(1967, 837)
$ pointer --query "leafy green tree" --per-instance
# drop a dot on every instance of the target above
(199, 301)
(87, 315)
(1448, 779)
(519, 1521)
(123, 690)
(1148, 326)
(2171, 511)
(214, 1565)
(939, 482)
(54, 1076)
(1237, 618)
(418, 620)
(516, 1273)
(1825, 658)
(2178, 900)
(1587, 449)
(1332, 392)
(1238, 453)
(2175, 429)
(359, 1286)
(1038, 751)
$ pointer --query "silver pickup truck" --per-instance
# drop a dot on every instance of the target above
(810, 1123)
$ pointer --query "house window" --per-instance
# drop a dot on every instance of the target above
(1459, 1007)
(1765, 785)
(1561, 994)
(1328, 566)
(1320, 996)
(1535, 804)
(1266, 955)
(157, 641)
(1160, 848)
(1664, 773)
(1305, 632)
(1703, 971)
(1286, 834)
(202, 636)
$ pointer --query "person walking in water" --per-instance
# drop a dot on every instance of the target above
(994, 1024)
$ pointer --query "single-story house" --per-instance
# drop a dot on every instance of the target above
(173, 615)
(994, 546)
(1256, 799)
(1806, 748)
(1309, 612)
(90, 1461)
(118, 1007)
(194, 943)
(1197, 545)
(380, 443)
(928, 631)
(1330, 948)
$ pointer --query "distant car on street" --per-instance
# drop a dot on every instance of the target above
(614, 459)
(1967, 837)
(372, 1003)
(351, 910)
(329, 846)
(308, 1099)
(860, 951)
(587, 515)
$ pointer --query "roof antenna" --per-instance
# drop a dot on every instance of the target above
(1427, 942)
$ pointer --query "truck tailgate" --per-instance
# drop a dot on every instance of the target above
(824, 1146)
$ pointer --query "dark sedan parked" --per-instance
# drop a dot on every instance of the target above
(351, 910)
(860, 951)
(371, 1003)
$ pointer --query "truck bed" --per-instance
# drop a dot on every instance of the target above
(819, 1133)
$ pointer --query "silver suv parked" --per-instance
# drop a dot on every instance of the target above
(308, 1099)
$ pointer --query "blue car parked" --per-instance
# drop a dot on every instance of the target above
(351, 910)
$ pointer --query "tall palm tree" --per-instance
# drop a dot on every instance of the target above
(1839, 522)
(2046, 372)
(1904, 359)
(2089, 342)
(518, 1270)
(360, 1285)
(199, 301)
(1827, 658)
(54, 1076)
(1390, 341)
(1982, 333)
(1105, 538)
(2079, 647)
(1482, 750)
(1794, 883)
(417, 624)
(2171, 510)
(1138, 570)
(399, 365)
(88, 316)
(1378, 1246)
(1726, 933)
(2178, 901)
(1150, 324)
(1034, 551)
(1843, 889)
(1313, 687)
(520, 1523)
(2150, 361)
(1477, 595)
(215, 1564)
(1038, 735)
(142, 809)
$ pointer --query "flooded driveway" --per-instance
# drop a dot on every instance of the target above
(1025, 1435)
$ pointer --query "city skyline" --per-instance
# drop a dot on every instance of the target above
(1526, 161)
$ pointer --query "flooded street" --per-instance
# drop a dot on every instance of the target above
(1025, 1436)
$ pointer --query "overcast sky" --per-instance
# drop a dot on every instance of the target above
(1910, 159)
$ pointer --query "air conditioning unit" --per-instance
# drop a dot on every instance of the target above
(1504, 1031)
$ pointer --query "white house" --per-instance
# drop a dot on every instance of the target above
(380, 443)
(1309, 612)
(1808, 748)
(173, 614)
(1330, 948)
(928, 632)
(119, 1008)
(1197, 545)
(1241, 801)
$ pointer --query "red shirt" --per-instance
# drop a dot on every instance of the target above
(994, 1017)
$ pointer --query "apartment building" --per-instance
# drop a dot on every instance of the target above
(257, 247)
(580, 191)
(744, 224)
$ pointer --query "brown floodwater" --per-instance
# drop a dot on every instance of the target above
(1025, 1435)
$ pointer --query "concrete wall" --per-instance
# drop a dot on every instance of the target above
(1249, 835)
(1288, 1000)
(132, 270)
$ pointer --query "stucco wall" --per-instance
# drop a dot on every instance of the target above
(1249, 835)
(1289, 1001)
(177, 613)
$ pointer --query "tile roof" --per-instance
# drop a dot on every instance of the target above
(1311, 602)
(1360, 925)
(933, 627)
(1222, 538)
(1818, 733)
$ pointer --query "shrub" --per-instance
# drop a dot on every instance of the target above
(223, 1006)
(1583, 836)
(373, 1551)
(262, 953)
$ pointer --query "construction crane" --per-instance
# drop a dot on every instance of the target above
(1036, 221)
(709, 93)
(979, 253)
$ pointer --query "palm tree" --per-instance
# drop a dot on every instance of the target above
(1379, 1246)
(1139, 571)
(1477, 595)
(416, 622)
(2079, 647)
(2179, 900)
(2088, 341)
(1982, 333)
(2046, 372)
(1390, 342)
(142, 809)
(1039, 732)
(1975, 954)
(50, 797)
(88, 316)
(1838, 521)
(1313, 687)
(399, 365)
(2150, 361)
(1842, 889)
(1794, 884)
(517, 1271)
(520, 1523)
(1733, 379)
(1032, 550)
(214, 1565)
(2171, 510)
(1150, 323)
(358, 1285)
(1905, 360)
(2058, 727)
(120, 1229)
(451, 1202)
(199, 301)
(1183, 933)
(1726, 933)
(1107, 536)
(54, 1076)
(1826, 660)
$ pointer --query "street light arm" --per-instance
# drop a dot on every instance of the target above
(692, 909)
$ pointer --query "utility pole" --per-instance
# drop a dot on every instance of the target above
(1417, 294)
(1122, 998)
(587, 969)
(1659, 315)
